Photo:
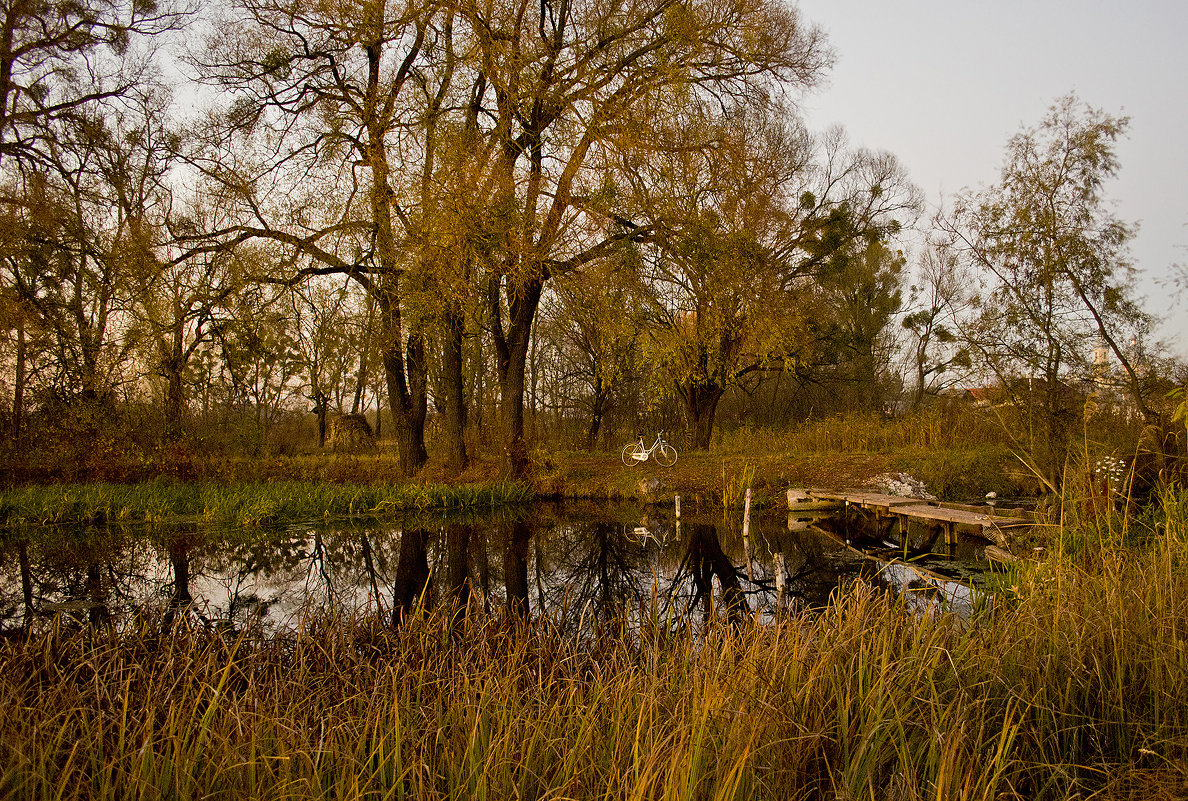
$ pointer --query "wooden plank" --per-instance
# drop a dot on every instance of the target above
(868, 500)
(985, 522)
(802, 500)
(1016, 515)
(928, 512)
(872, 500)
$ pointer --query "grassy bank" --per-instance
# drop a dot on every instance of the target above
(247, 503)
(958, 455)
(705, 479)
(1073, 682)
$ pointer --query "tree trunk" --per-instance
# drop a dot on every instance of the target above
(26, 583)
(404, 368)
(180, 599)
(458, 536)
(18, 392)
(173, 365)
(706, 559)
(701, 404)
(174, 404)
(320, 409)
(597, 411)
(412, 573)
(454, 418)
(511, 348)
(408, 407)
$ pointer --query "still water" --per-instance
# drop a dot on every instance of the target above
(578, 563)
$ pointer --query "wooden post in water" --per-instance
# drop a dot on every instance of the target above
(778, 563)
(678, 518)
(747, 534)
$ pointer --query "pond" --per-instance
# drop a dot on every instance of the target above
(577, 563)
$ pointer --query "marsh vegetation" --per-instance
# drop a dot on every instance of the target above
(1067, 677)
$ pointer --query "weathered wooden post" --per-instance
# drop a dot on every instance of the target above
(778, 563)
(747, 534)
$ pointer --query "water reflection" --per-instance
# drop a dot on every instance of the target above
(581, 565)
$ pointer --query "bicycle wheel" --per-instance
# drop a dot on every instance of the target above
(667, 455)
(629, 452)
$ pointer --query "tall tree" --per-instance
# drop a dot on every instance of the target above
(1056, 267)
(181, 302)
(591, 331)
(87, 219)
(860, 292)
(748, 230)
(326, 94)
(940, 300)
(563, 89)
(59, 57)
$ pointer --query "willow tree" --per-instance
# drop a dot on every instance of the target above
(331, 117)
(1055, 265)
(561, 91)
(748, 228)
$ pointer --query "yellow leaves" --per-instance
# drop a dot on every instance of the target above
(681, 24)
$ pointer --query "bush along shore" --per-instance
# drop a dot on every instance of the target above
(245, 504)
(1071, 681)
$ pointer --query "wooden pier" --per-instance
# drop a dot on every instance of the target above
(895, 512)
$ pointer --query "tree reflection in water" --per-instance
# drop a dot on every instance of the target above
(587, 568)
(410, 585)
(704, 559)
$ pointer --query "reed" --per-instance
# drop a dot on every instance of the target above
(246, 504)
(934, 428)
(1071, 682)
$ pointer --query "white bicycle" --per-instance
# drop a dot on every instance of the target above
(637, 453)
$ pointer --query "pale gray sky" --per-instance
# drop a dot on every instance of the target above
(944, 84)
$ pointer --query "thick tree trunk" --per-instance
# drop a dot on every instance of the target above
(701, 404)
(408, 409)
(180, 599)
(404, 368)
(173, 363)
(706, 559)
(511, 347)
(458, 536)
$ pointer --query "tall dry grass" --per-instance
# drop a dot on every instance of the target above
(1071, 682)
(941, 427)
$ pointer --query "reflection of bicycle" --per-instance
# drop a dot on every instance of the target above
(661, 451)
(641, 534)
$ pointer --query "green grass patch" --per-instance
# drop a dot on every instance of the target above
(245, 504)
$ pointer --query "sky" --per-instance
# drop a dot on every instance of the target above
(943, 84)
